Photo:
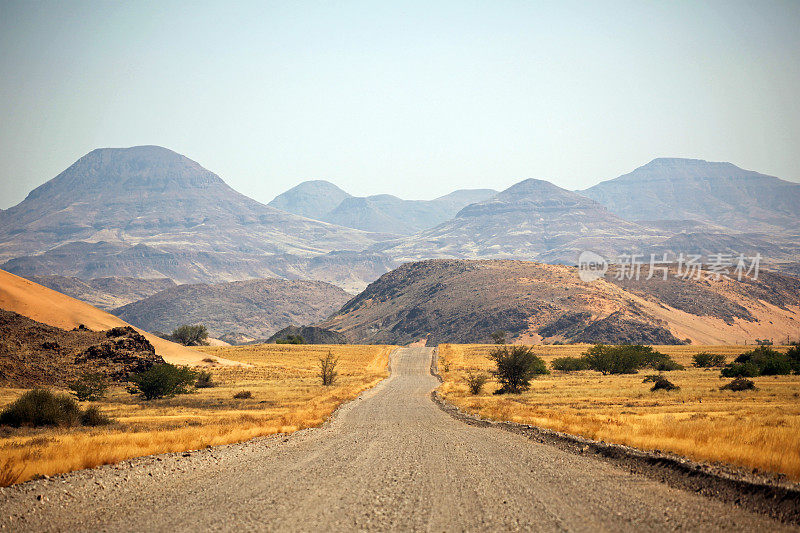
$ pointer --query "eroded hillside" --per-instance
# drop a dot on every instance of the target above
(467, 300)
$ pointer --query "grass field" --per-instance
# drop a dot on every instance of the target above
(755, 429)
(286, 396)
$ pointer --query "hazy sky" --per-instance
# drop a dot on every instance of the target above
(410, 98)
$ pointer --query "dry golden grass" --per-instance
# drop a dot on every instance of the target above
(286, 396)
(755, 429)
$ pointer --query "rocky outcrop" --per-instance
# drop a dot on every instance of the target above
(125, 352)
(310, 335)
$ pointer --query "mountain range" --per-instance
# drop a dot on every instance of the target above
(147, 212)
(526, 221)
(382, 213)
(156, 213)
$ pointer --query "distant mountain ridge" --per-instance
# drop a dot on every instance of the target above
(716, 193)
(154, 213)
(104, 293)
(381, 213)
(147, 212)
(529, 220)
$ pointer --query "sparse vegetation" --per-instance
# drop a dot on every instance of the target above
(204, 380)
(708, 360)
(662, 383)
(41, 407)
(10, 472)
(89, 387)
(243, 395)
(162, 381)
(757, 428)
(499, 337)
(190, 335)
(476, 381)
(515, 367)
(327, 369)
(283, 378)
(291, 339)
(739, 384)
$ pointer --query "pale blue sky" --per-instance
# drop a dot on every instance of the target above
(409, 98)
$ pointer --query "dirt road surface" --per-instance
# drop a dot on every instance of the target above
(389, 460)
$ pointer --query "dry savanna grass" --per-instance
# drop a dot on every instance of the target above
(755, 429)
(287, 395)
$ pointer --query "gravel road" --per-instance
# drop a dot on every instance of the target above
(389, 460)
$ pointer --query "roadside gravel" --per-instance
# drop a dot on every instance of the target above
(388, 460)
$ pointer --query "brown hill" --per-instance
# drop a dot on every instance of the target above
(310, 334)
(467, 300)
(49, 307)
(35, 354)
(104, 293)
(256, 308)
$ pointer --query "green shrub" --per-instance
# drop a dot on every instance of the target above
(663, 383)
(291, 339)
(516, 366)
(475, 382)
(569, 364)
(762, 361)
(627, 359)
(89, 387)
(708, 360)
(794, 356)
(163, 380)
(739, 384)
(667, 365)
(39, 407)
(651, 378)
(190, 335)
(93, 417)
(732, 370)
(204, 380)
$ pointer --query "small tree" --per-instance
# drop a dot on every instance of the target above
(499, 337)
(475, 382)
(163, 380)
(91, 387)
(190, 335)
(327, 369)
(516, 366)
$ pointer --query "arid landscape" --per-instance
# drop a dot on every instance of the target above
(443, 266)
(751, 429)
